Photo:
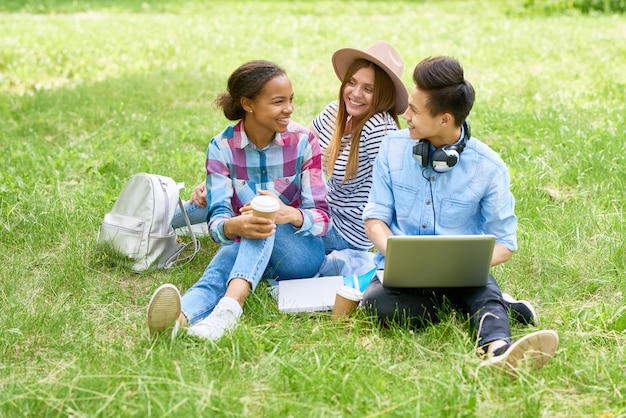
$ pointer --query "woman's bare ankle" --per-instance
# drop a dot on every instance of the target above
(182, 320)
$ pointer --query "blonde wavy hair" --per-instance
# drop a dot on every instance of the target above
(383, 100)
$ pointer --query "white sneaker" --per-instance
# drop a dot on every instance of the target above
(224, 317)
(163, 309)
(532, 351)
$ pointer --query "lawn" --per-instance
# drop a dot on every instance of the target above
(92, 92)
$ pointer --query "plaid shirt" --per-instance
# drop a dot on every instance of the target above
(290, 167)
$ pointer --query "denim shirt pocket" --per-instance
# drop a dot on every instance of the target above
(286, 188)
(404, 199)
(455, 213)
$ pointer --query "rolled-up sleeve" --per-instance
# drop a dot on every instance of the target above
(313, 204)
(380, 204)
(498, 211)
(219, 192)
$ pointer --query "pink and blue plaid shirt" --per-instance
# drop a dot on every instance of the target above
(290, 167)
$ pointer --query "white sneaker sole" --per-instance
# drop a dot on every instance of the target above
(532, 351)
(163, 309)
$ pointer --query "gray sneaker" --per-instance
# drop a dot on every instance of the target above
(521, 310)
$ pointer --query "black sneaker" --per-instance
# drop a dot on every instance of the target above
(521, 310)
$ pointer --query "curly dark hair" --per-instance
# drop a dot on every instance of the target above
(246, 81)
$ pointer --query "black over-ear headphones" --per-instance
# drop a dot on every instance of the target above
(445, 157)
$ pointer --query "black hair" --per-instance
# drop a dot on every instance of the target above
(246, 81)
(447, 90)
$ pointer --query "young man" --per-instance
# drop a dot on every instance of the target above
(435, 179)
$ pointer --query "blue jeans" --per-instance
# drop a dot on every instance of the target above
(334, 241)
(421, 306)
(196, 214)
(284, 255)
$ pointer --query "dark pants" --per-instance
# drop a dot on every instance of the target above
(420, 307)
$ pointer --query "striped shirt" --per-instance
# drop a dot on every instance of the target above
(346, 202)
(290, 167)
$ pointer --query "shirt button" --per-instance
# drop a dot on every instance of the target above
(264, 172)
(428, 202)
(424, 226)
(432, 178)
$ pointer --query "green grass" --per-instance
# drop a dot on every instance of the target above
(94, 91)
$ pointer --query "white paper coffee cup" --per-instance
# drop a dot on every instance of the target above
(265, 207)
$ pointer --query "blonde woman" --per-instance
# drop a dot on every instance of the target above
(350, 131)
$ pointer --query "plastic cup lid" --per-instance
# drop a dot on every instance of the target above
(348, 293)
(265, 204)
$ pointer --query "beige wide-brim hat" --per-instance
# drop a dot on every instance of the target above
(386, 57)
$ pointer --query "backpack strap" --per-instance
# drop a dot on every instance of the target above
(173, 261)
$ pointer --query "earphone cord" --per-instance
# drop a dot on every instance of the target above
(432, 200)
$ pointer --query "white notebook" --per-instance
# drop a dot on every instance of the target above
(308, 295)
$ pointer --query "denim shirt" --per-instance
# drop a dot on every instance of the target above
(473, 198)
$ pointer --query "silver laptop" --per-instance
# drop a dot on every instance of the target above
(437, 261)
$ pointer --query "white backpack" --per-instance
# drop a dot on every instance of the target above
(139, 227)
